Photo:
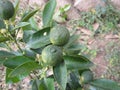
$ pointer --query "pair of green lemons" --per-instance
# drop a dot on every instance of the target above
(52, 54)
(6, 9)
(59, 36)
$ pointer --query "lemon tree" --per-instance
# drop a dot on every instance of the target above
(49, 55)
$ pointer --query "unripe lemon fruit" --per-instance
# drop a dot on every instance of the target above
(52, 55)
(59, 35)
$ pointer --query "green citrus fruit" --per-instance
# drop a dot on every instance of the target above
(6, 9)
(59, 35)
(52, 55)
(86, 77)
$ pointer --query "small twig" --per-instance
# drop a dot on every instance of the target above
(31, 77)
(17, 31)
(6, 42)
(14, 39)
(35, 74)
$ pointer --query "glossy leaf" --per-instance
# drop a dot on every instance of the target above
(25, 69)
(77, 62)
(47, 84)
(27, 27)
(30, 54)
(48, 12)
(95, 88)
(38, 50)
(27, 34)
(4, 55)
(3, 45)
(72, 40)
(73, 81)
(10, 80)
(73, 49)
(33, 23)
(16, 6)
(21, 24)
(36, 84)
(60, 74)
(39, 39)
(27, 16)
(3, 39)
(105, 84)
(16, 61)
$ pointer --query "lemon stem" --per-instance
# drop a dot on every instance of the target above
(14, 39)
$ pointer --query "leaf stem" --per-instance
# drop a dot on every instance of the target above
(35, 74)
(8, 46)
(14, 39)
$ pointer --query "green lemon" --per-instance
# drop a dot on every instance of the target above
(86, 77)
(6, 9)
(59, 35)
(52, 55)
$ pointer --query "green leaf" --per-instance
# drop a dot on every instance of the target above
(3, 39)
(66, 7)
(27, 27)
(32, 26)
(35, 84)
(29, 53)
(4, 55)
(2, 24)
(27, 34)
(94, 88)
(25, 69)
(3, 45)
(105, 84)
(21, 24)
(10, 80)
(60, 74)
(33, 23)
(48, 12)
(77, 62)
(73, 81)
(38, 50)
(47, 84)
(16, 6)
(39, 39)
(73, 49)
(16, 61)
(29, 15)
(72, 39)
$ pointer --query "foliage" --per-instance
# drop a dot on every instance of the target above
(61, 15)
(26, 60)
